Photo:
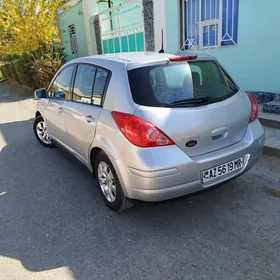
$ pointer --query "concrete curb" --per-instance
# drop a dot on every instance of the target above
(271, 151)
(269, 122)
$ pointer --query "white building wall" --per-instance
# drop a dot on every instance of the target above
(90, 8)
(159, 24)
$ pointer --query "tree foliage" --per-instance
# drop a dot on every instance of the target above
(28, 25)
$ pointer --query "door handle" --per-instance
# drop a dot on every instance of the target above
(90, 119)
(60, 110)
(220, 136)
(220, 133)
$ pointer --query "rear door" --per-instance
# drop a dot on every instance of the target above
(59, 93)
(197, 128)
(82, 112)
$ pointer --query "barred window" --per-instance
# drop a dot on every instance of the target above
(210, 23)
(73, 39)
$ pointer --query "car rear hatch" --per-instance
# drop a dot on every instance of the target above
(195, 103)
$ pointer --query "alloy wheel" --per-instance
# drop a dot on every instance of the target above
(42, 133)
(107, 181)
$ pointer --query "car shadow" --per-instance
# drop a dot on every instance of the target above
(52, 216)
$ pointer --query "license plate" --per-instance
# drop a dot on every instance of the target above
(220, 170)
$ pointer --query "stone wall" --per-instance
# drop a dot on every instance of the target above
(148, 7)
(97, 34)
(264, 97)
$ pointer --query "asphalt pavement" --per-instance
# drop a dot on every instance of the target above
(54, 224)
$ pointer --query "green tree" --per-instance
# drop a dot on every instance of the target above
(28, 25)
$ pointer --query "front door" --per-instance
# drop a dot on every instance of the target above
(59, 93)
(82, 112)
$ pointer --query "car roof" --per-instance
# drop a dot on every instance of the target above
(133, 59)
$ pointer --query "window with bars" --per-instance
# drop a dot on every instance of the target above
(73, 39)
(210, 23)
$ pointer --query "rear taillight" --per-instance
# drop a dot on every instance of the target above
(254, 107)
(140, 132)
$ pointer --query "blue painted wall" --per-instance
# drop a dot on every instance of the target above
(74, 16)
(254, 62)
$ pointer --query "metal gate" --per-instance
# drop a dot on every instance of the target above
(122, 28)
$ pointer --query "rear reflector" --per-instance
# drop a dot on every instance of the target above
(140, 132)
(254, 107)
(183, 58)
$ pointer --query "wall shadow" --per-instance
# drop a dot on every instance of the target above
(12, 93)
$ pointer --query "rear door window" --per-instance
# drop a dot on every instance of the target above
(90, 84)
(161, 85)
(99, 85)
(83, 83)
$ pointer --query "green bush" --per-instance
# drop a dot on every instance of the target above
(44, 70)
(34, 70)
(13, 72)
(23, 67)
(9, 72)
(1, 76)
(46, 64)
(5, 72)
(6, 69)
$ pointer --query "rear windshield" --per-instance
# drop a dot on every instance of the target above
(162, 85)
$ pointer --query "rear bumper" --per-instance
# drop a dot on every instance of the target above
(178, 175)
(184, 189)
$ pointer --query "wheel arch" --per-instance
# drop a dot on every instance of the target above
(38, 114)
(92, 158)
(93, 154)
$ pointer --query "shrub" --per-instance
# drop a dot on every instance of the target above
(1, 76)
(5, 72)
(23, 66)
(47, 64)
(13, 73)
(8, 69)
(35, 70)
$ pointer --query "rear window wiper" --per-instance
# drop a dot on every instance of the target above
(194, 101)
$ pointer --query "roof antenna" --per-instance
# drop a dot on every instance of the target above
(162, 49)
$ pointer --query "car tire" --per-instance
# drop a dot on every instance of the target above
(41, 133)
(109, 184)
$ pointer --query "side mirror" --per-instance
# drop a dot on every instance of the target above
(40, 93)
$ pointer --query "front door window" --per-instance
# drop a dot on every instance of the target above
(59, 93)
(60, 88)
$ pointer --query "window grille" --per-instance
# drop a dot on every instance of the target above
(73, 39)
(210, 23)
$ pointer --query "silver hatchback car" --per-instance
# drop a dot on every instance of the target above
(151, 126)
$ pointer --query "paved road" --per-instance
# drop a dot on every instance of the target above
(54, 225)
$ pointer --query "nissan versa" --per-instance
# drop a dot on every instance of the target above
(151, 126)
